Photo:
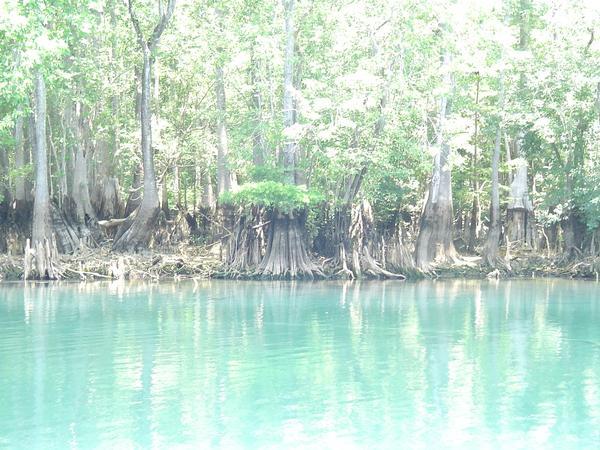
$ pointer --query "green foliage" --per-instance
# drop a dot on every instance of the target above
(274, 195)
(24, 172)
(266, 173)
(357, 63)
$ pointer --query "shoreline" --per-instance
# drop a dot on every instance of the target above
(199, 264)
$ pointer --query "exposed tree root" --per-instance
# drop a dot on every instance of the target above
(40, 261)
(245, 243)
(396, 251)
(286, 255)
(67, 238)
(106, 199)
(354, 232)
(135, 233)
(102, 264)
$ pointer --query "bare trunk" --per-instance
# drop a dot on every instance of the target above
(520, 224)
(136, 233)
(67, 156)
(164, 197)
(20, 195)
(399, 252)
(520, 218)
(258, 148)
(475, 221)
(134, 199)
(290, 145)
(107, 198)
(574, 229)
(356, 234)
(493, 238)
(42, 223)
(176, 186)
(353, 228)
(244, 252)
(286, 255)
(29, 155)
(225, 178)
(84, 214)
(5, 194)
(41, 257)
(434, 242)
(207, 198)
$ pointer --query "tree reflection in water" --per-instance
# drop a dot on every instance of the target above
(261, 364)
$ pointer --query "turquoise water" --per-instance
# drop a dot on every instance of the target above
(310, 366)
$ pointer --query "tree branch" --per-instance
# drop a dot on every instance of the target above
(158, 29)
(590, 42)
(136, 23)
(161, 25)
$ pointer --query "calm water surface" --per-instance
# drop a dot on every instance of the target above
(309, 366)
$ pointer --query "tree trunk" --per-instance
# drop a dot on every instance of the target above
(434, 242)
(225, 178)
(134, 199)
(399, 254)
(176, 184)
(573, 226)
(286, 254)
(258, 148)
(136, 232)
(20, 194)
(42, 222)
(574, 230)
(164, 197)
(520, 224)
(41, 257)
(475, 220)
(355, 232)
(83, 213)
(493, 238)
(290, 145)
(107, 198)
(353, 228)
(207, 198)
(520, 218)
(29, 154)
(5, 193)
(244, 252)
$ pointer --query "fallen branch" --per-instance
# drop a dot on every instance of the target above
(111, 223)
(93, 274)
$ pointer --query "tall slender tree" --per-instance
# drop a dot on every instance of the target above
(434, 241)
(520, 216)
(42, 219)
(493, 237)
(286, 254)
(136, 232)
(226, 179)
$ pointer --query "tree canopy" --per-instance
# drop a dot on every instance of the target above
(358, 99)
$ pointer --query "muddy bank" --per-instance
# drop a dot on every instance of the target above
(533, 266)
(102, 264)
(202, 262)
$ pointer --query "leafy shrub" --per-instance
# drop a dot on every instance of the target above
(273, 194)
